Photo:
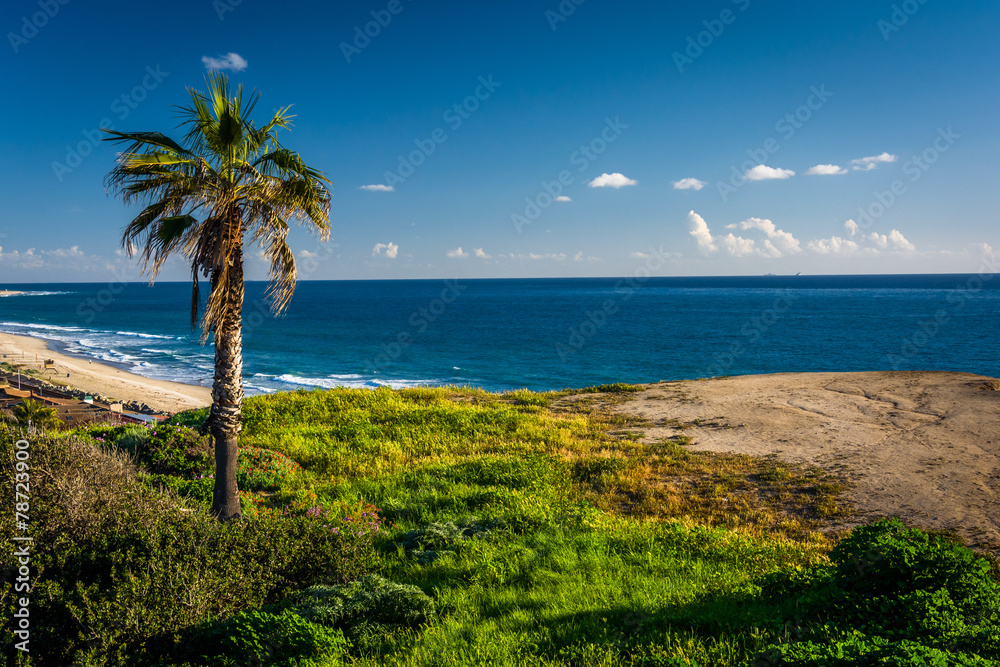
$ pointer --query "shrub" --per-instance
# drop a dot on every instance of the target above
(615, 388)
(190, 418)
(123, 571)
(426, 544)
(911, 597)
(260, 638)
(260, 469)
(174, 450)
(366, 608)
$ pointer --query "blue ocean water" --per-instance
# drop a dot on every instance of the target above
(536, 333)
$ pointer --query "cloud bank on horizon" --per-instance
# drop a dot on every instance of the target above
(778, 243)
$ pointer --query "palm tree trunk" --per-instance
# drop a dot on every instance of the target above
(227, 392)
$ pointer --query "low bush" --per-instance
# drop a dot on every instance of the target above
(259, 469)
(123, 570)
(892, 594)
(281, 638)
(426, 544)
(366, 608)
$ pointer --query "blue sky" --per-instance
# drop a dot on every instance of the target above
(792, 118)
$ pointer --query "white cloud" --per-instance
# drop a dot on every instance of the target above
(305, 254)
(899, 242)
(778, 242)
(64, 252)
(71, 258)
(457, 253)
(478, 252)
(563, 198)
(233, 61)
(689, 184)
(832, 246)
(764, 173)
(560, 257)
(737, 246)
(826, 170)
(390, 250)
(698, 228)
(378, 187)
(869, 163)
(881, 241)
(870, 244)
(615, 180)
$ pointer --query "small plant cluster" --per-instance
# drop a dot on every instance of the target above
(366, 609)
(259, 469)
(362, 519)
(891, 595)
(270, 636)
(427, 544)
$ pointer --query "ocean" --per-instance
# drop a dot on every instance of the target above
(539, 334)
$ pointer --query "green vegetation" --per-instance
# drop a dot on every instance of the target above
(455, 526)
(35, 413)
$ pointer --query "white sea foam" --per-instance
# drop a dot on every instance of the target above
(138, 334)
(348, 380)
(32, 294)
(49, 327)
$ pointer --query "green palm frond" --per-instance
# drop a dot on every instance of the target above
(226, 179)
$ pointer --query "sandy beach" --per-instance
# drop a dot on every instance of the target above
(924, 446)
(97, 378)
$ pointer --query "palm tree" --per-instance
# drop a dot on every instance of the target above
(36, 413)
(226, 181)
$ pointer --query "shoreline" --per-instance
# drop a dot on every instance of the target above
(99, 377)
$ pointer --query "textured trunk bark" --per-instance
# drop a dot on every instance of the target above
(227, 391)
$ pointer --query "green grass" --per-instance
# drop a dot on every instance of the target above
(572, 557)
(543, 528)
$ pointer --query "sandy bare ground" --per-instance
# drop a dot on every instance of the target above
(98, 378)
(924, 446)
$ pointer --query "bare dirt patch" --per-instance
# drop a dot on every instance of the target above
(924, 446)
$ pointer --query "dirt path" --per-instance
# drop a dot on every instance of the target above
(924, 446)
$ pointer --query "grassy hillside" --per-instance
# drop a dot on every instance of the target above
(455, 526)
